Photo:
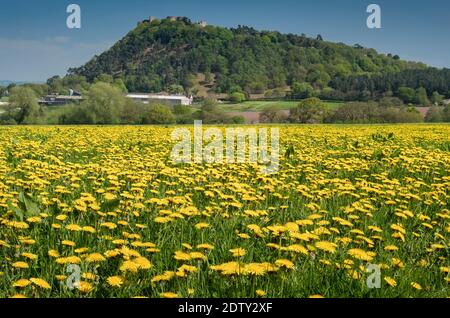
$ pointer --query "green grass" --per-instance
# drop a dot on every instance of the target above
(257, 106)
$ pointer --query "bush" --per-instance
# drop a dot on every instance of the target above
(158, 114)
(104, 104)
(77, 115)
(356, 112)
(302, 90)
(237, 97)
(275, 93)
(309, 111)
(8, 121)
(237, 120)
(24, 101)
(446, 114)
(272, 115)
(183, 114)
(435, 115)
(132, 112)
(401, 115)
(390, 102)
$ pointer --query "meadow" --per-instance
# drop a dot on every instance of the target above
(106, 205)
(258, 106)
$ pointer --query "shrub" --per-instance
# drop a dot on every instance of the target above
(24, 101)
(237, 97)
(237, 120)
(308, 111)
(105, 104)
(273, 115)
(435, 115)
(158, 114)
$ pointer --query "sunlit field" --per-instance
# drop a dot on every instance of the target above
(107, 205)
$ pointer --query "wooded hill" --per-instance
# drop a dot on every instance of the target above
(170, 54)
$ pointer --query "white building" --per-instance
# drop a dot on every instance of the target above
(164, 99)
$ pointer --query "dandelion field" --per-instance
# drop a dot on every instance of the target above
(108, 204)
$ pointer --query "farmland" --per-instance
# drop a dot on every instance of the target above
(257, 106)
(103, 212)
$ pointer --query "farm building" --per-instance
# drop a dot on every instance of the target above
(56, 99)
(163, 99)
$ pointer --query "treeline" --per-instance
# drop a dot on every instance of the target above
(387, 110)
(105, 104)
(163, 54)
(62, 85)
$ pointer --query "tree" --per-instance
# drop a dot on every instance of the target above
(435, 115)
(2, 91)
(24, 101)
(176, 89)
(190, 83)
(105, 102)
(55, 85)
(118, 82)
(302, 90)
(210, 114)
(421, 97)
(406, 94)
(237, 97)
(273, 115)
(308, 111)
(446, 114)
(437, 98)
(390, 101)
(208, 77)
(105, 78)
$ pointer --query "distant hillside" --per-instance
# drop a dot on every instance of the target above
(164, 54)
(6, 82)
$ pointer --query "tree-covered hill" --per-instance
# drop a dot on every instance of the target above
(166, 54)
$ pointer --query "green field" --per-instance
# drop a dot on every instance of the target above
(256, 106)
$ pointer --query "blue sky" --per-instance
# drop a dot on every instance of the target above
(36, 44)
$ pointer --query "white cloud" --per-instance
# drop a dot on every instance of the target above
(57, 40)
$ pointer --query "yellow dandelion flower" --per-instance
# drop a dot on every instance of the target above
(68, 243)
(30, 256)
(22, 265)
(326, 246)
(205, 246)
(284, 263)
(238, 252)
(41, 283)
(95, 258)
(201, 225)
(115, 281)
(168, 275)
(85, 287)
(21, 283)
(169, 295)
(390, 281)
